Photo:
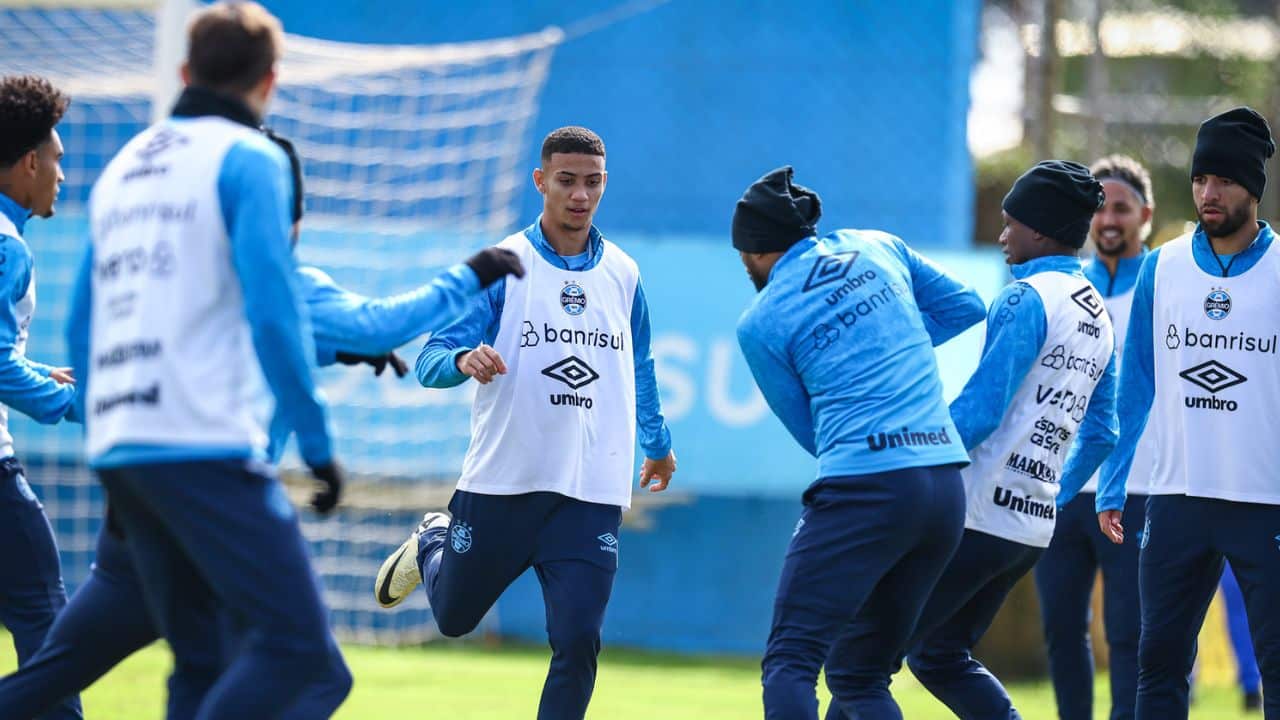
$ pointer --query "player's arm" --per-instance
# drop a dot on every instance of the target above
(77, 332)
(439, 366)
(1016, 330)
(254, 196)
(778, 381)
(22, 387)
(1136, 389)
(651, 427)
(949, 306)
(354, 324)
(1097, 437)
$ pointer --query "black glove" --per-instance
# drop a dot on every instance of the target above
(379, 362)
(493, 264)
(326, 497)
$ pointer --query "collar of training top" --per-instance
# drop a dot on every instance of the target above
(1059, 263)
(16, 213)
(199, 102)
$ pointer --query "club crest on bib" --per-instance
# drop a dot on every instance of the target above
(1217, 304)
(573, 298)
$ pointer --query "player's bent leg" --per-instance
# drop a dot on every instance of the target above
(984, 570)
(1253, 549)
(322, 699)
(852, 532)
(31, 589)
(1121, 608)
(865, 656)
(181, 606)
(1178, 571)
(105, 621)
(1064, 582)
(489, 542)
(235, 526)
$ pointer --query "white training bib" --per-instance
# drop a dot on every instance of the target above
(563, 418)
(1217, 379)
(1012, 483)
(23, 310)
(171, 355)
(1118, 308)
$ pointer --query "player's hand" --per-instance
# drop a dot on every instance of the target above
(63, 375)
(483, 364)
(329, 487)
(379, 362)
(493, 264)
(1109, 521)
(658, 472)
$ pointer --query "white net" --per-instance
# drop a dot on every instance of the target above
(413, 155)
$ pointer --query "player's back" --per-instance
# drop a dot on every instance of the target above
(171, 351)
(843, 309)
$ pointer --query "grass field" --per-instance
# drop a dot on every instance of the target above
(466, 682)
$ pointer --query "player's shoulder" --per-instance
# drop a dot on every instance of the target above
(252, 149)
(610, 252)
(313, 278)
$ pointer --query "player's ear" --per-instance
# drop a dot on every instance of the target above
(1147, 211)
(185, 73)
(537, 180)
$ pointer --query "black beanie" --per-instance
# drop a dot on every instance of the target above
(1056, 198)
(1235, 145)
(774, 214)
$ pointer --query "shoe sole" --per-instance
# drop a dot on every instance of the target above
(382, 585)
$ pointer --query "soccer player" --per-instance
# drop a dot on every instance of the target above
(1064, 576)
(566, 379)
(1038, 417)
(1200, 360)
(840, 340)
(186, 302)
(106, 619)
(31, 590)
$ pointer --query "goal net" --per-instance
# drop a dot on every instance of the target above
(414, 156)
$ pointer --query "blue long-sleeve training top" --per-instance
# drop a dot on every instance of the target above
(1016, 332)
(347, 322)
(841, 342)
(254, 199)
(25, 385)
(1125, 277)
(1137, 371)
(436, 366)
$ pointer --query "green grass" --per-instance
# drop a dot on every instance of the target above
(467, 682)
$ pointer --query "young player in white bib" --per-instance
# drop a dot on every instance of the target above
(1037, 415)
(1065, 573)
(1201, 376)
(566, 384)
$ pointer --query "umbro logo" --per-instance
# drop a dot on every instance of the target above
(163, 140)
(572, 371)
(610, 543)
(829, 269)
(1087, 298)
(1212, 376)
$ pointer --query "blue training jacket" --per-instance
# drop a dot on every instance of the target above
(841, 342)
(437, 366)
(1137, 371)
(1016, 331)
(344, 321)
(25, 385)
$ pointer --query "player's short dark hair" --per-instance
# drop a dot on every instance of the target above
(29, 108)
(572, 139)
(1127, 170)
(232, 45)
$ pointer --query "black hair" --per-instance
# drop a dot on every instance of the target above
(572, 139)
(30, 107)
